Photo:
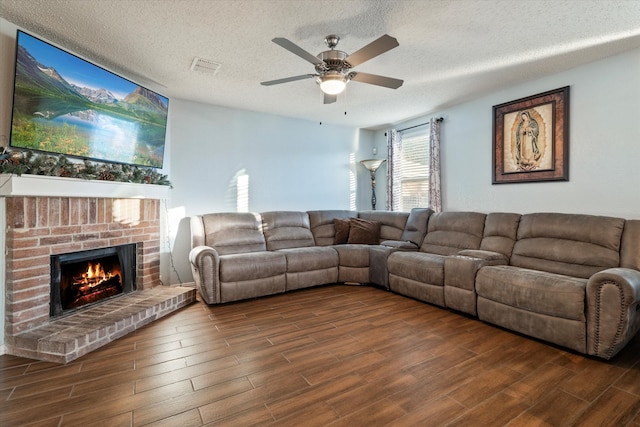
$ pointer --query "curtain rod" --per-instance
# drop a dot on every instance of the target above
(439, 119)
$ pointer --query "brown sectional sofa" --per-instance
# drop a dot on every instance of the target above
(570, 279)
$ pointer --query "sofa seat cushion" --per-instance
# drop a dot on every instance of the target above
(252, 265)
(419, 266)
(353, 255)
(309, 259)
(532, 290)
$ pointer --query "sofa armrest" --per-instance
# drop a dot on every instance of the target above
(492, 258)
(378, 271)
(460, 269)
(460, 277)
(401, 245)
(613, 316)
(205, 265)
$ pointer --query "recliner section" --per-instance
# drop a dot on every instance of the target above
(498, 239)
(229, 258)
(420, 274)
(289, 233)
(412, 237)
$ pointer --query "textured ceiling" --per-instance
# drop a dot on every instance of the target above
(450, 51)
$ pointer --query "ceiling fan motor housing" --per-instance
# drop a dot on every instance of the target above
(333, 60)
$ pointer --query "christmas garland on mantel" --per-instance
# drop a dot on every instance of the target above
(30, 163)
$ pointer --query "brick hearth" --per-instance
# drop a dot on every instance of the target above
(37, 227)
(68, 338)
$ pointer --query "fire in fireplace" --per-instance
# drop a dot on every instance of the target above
(82, 278)
(91, 284)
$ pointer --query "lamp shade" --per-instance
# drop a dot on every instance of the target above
(372, 164)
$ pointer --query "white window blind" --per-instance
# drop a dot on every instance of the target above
(411, 170)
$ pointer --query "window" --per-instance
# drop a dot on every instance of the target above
(410, 169)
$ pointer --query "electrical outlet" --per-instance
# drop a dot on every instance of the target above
(375, 151)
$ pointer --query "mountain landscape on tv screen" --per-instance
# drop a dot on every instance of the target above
(51, 114)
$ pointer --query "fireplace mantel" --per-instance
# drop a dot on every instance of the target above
(39, 185)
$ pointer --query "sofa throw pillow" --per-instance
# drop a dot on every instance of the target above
(365, 232)
(342, 226)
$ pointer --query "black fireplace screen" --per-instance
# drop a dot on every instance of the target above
(82, 278)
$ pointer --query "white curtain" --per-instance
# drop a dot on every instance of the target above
(394, 147)
(435, 194)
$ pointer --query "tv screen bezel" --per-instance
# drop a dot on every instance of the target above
(97, 67)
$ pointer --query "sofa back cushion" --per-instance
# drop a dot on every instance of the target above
(570, 244)
(391, 223)
(234, 232)
(321, 224)
(450, 232)
(500, 232)
(630, 250)
(285, 229)
(416, 227)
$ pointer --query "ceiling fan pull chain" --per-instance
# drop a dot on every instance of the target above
(346, 101)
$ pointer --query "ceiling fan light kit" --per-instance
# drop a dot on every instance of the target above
(334, 67)
(332, 83)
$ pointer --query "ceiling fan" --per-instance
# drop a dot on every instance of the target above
(334, 67)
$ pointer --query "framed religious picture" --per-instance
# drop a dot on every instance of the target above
(531, 138)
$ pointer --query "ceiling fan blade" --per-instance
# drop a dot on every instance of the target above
(297, 50)
(374, 79)
(373, 49)
(330, 99)
(288, 79)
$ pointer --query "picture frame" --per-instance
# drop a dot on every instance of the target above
(531, 138)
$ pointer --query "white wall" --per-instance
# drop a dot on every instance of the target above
(291, 164)
(604, 146)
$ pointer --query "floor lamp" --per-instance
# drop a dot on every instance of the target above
(372, 166)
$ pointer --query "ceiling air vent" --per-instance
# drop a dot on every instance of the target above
(205, 65)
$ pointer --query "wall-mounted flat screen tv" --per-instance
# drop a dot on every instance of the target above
(65, 105)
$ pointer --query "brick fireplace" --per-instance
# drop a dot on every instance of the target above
(38, 227)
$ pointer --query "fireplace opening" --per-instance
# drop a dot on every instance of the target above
(79, 279)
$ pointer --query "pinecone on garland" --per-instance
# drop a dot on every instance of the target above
(7, 156)
(15, 159)
(106, 176)
(64, 173)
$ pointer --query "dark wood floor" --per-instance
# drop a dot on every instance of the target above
(335, 355)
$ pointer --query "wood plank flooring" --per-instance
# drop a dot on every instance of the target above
(328, 356)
